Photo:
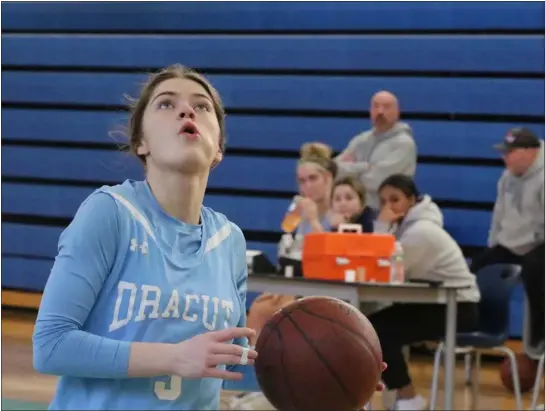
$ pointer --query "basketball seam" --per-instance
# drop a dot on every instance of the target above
(284, 373)
(355, 333)
(274, 327)
(321, 358)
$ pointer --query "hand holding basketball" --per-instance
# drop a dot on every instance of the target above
(199, 356)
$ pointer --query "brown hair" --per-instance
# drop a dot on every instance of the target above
(138, 106)
(355, 185)
(320, 154)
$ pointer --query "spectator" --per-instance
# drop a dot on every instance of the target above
(315, 174)
(388, 148)
(348, 205)
(431, 254)
(517, 232)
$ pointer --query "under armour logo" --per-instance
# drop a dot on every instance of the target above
(142, 247)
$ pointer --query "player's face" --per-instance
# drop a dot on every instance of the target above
(346, 201)
(396, 200)
(313, 182)
(180, 128)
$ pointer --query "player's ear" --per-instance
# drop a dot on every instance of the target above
(142, 149)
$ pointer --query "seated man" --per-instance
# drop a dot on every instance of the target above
(517, 232)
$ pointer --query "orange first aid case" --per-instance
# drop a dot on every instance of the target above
(332, 256)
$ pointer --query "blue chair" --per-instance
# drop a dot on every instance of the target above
(496, 283)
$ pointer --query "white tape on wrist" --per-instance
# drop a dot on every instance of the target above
(244, 356)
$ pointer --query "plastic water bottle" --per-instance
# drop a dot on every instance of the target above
(397, 265)
(292, 219)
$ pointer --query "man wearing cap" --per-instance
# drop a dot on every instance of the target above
(517, 232)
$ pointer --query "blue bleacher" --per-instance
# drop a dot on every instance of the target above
(289, 92)
(292, 52)
(288, 73)
(327, 17)
(259, 132)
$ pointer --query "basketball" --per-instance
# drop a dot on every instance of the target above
(318, 353)
(527, 370)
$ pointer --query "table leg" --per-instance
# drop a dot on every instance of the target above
(450, 347)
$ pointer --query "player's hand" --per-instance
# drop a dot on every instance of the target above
(387, 215)
(380, 385)
(199, 356)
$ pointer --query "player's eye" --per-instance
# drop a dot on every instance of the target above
(202, 106)
(165, 104)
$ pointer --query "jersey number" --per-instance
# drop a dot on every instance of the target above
(169, 391)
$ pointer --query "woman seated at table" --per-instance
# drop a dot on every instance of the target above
(430, 253)
(348, 205)
(316, 172)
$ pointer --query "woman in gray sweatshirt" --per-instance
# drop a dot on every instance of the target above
(430, 253)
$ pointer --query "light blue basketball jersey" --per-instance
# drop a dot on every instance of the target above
(128, 272)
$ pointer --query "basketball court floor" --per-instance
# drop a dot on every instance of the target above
(24, 389)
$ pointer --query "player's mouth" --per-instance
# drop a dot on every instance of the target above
(189, 130)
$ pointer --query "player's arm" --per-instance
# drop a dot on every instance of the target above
(86, 256)
(249, 381)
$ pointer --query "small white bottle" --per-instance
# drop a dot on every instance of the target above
(397, 266)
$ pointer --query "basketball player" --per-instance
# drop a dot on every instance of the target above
(145, 304)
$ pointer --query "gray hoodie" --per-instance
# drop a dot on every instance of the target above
(429, 252)
(378, 156)
(517, 221)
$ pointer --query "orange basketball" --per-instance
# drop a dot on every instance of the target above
(527, 371)
(318, 353)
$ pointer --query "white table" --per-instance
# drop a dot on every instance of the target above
(355, 293)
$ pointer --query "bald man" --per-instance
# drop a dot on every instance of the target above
(388, 148)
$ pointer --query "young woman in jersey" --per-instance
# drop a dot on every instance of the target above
(145, 307)
(430, 253)
(145, 304)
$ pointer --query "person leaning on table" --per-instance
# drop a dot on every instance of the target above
(429, 253)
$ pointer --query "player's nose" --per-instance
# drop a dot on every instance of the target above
(186, 111)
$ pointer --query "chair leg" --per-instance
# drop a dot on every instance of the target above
(514, 374)
(468, 367)
(535, 395)
(435, 380)
(475, 382)
(407, 353)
